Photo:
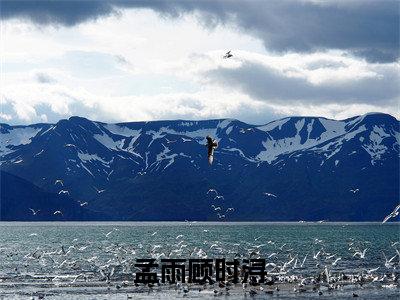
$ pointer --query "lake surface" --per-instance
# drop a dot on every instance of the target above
(89, 260)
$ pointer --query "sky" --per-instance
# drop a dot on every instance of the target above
(121, 61)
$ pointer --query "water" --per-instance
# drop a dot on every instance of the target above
(46, 258)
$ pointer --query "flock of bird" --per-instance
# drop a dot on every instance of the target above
(221, 213)
(320, 267)
(60, 182)
(218, 208)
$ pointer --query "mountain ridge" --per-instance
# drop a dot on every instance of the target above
(145, 165)
(197, 120)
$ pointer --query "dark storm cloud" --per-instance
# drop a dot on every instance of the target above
(44, 12)
(269, 85)
(369, 29)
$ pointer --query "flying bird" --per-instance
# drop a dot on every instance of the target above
(190, 222)
(98, 191)
(372, 270)
(34, 212)
(211, 145)
(336, 261)
(270, 195)
(59, 181)
(354, 191)
(57, 212)
(82, 203)
(228, 54)
(169, 142)
(64, 192)
(215, 207)
(212, 191)
(393, 214)
(361, 254)
(108, 233)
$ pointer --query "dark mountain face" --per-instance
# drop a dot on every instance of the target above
(299, 168)
(23, 201)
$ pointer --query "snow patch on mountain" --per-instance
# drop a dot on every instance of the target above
(299, 125)
(86, 157)
(375, 148)
(155, 135)
(199, 134)
(105, 140)
(164, 156)
(332, 148)
(272, 125)
(225, 123)
(16, 137)
(333, 128)
(240, 152)
(123, 130)
(309, 128)
(229, 130)
(86, 169)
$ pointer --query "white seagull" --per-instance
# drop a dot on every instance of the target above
(270, 195)
(34, 212)
(216, 208)
(354, 191)
(59, 181)
(212, 191)
(360, 254)
(64, 192)
(98, 191)
(336, 261)
(393, 214)
(57, 212)
(108, 234)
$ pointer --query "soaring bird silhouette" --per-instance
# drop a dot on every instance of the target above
(228, 54)
(393, 214)
(211, 145)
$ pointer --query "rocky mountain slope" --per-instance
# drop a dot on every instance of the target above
(297, 168)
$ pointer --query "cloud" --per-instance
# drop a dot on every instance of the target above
(30, 101)
(161, 68)
(34, 102)
(271, 85)
(42, 77)
(369, 29)
(45, 12)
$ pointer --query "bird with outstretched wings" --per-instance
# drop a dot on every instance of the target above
(228, 54)
(211, 145)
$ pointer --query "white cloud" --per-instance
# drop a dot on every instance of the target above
(139, 66)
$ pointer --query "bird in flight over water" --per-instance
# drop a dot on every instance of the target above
(228, 54)
(34, 212)
(211, 145)
(393, 214)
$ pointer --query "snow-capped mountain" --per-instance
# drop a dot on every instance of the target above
(297, 168)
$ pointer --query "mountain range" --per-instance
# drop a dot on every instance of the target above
(292, 169)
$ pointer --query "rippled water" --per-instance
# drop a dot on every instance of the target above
(45, 258)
